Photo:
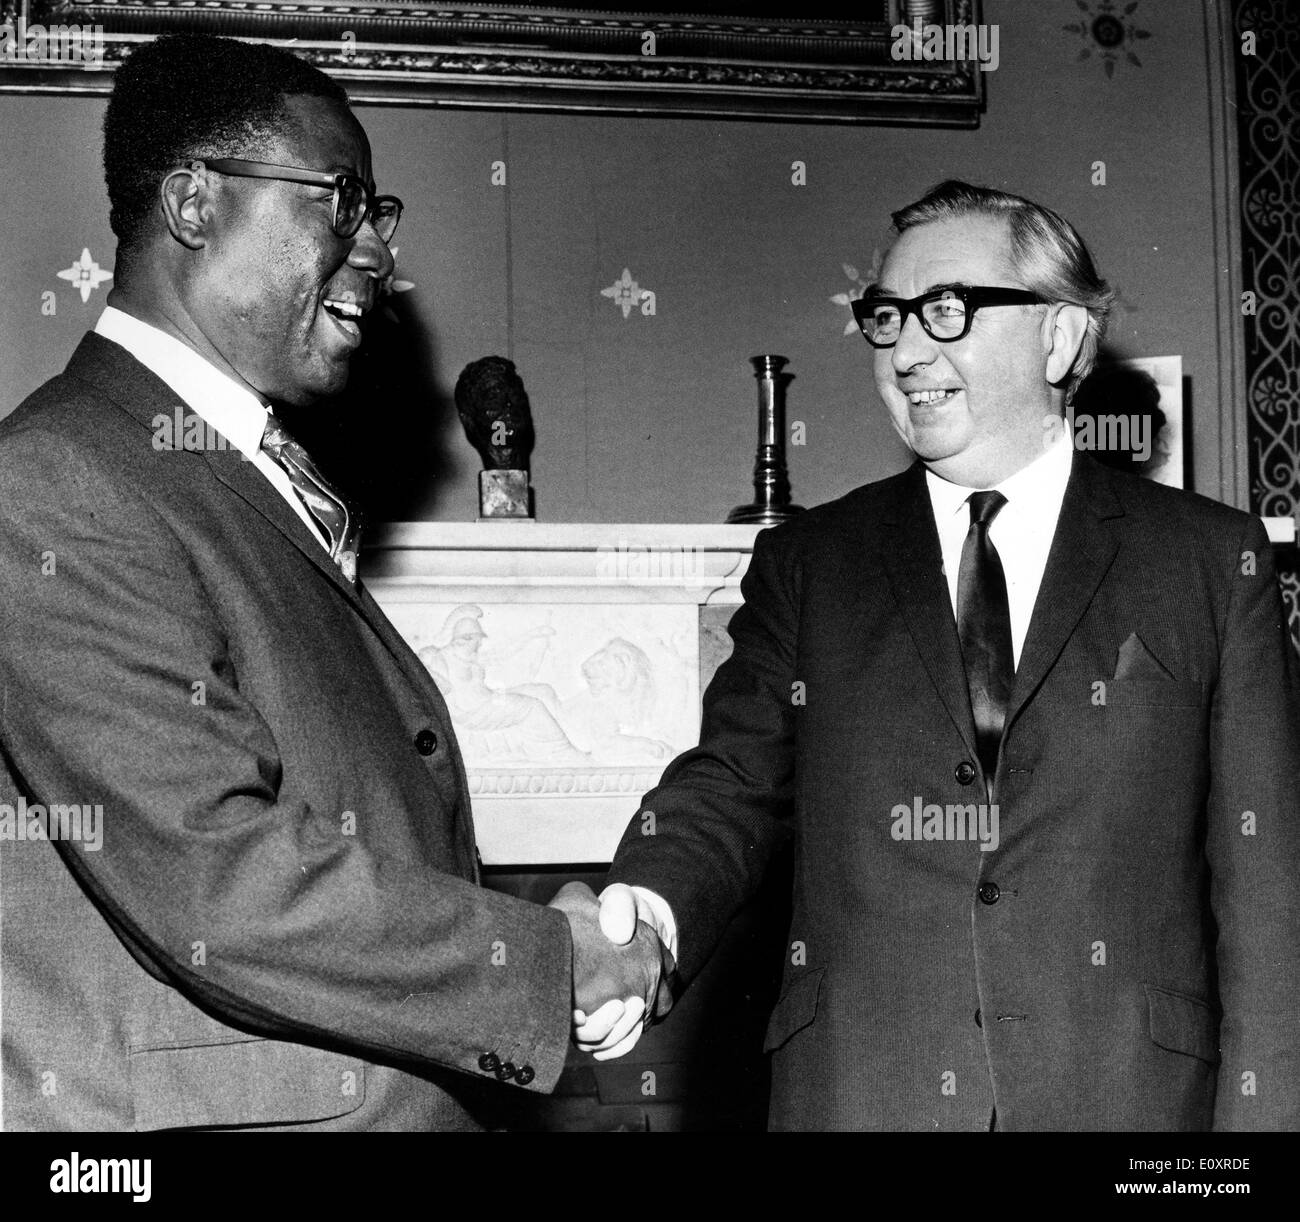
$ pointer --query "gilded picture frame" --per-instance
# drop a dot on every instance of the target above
(714, 64)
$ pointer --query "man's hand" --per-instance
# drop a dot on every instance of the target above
(613, 1030)
(620, 972)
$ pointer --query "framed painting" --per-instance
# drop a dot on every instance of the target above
(893, 61)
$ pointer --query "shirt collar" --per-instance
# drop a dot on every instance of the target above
(233, 410)
(1038, 483)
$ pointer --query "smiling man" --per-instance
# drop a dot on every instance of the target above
(1007, 638)
(278, 922)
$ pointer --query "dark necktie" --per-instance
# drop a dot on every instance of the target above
(984, 628)
(340, 521)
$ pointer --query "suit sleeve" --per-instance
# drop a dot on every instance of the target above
(704, 835)
(249, 902)
(1253, 844)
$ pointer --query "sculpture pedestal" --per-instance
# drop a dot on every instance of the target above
(504, 494)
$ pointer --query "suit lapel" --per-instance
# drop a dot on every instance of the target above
(1081, 554)
(252, 487)
(141, 394)
(914, 563)
(246, 482)
(414, 669)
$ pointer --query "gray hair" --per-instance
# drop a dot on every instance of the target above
(1047, 254)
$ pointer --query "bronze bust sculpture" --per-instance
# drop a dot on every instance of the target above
(493, 407)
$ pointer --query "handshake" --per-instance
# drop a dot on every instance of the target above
(621, 966)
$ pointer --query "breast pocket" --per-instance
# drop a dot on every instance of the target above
(797, 1008)
(1154, 693)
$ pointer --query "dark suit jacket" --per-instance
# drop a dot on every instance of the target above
(283, 925)
(1127, 957)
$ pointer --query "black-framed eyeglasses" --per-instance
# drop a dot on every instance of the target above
(945, 312)
(354, 201)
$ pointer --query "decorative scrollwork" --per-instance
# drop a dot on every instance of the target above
(1268, 101)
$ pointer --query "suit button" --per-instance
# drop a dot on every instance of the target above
(964, 772)
(506, 1071)
(426, 742)
(489, 1062)
(979, 1021)
(525, 1075)
(989, 893)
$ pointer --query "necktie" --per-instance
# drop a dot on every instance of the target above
(340, 521)
(984, 628)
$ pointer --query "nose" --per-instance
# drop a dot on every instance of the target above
(370, 252)
(914, 347)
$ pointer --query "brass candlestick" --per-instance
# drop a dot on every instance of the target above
(771, 502)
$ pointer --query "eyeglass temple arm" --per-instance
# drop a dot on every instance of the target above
(283, 173)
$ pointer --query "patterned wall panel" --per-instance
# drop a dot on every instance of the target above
(1268, 104)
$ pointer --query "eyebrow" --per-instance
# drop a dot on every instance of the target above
(876, 290)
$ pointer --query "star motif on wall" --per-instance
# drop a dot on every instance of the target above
(85, 275)
(1108, 32)
(860, 287)
(625, 292)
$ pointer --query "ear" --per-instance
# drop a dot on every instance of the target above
(1068, 327)
(186, 201)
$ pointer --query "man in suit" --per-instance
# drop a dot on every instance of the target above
(1034, 726)
(239, 880)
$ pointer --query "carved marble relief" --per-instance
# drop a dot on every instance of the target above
(562, 699)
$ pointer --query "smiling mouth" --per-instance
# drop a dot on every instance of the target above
(346, 316)
(922, 398)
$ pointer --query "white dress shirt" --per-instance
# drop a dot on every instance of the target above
(1022, 532)
(215, 397)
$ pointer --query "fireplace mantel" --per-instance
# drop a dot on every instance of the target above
(572, 656)
(560, 561)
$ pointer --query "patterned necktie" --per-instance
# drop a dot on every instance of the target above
(984, 627)
(340, 521)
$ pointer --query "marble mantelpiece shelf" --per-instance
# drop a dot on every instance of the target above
(557, 562)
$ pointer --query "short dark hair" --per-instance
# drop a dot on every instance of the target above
(194, 94)
(1047, 254)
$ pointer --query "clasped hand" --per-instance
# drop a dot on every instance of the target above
(621, 968)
